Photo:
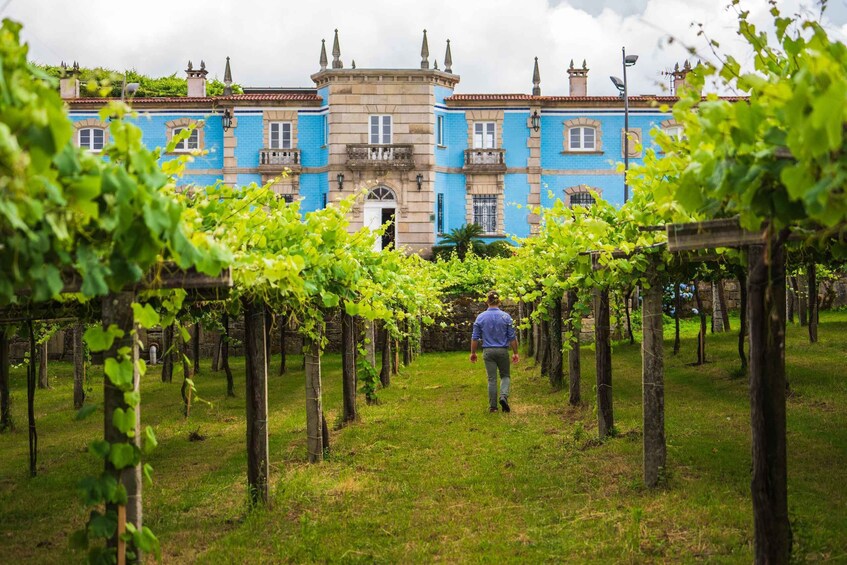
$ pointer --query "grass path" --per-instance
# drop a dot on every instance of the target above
(429, 475)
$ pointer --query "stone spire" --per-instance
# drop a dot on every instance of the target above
(353, 64)
(448, 59)
(336, 53)
(536, 80)
(323, 55)
(424, 53)
(435, 64)
(227, 79)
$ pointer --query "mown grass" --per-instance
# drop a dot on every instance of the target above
(429, 475)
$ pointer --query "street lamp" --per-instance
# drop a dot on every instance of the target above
(621, 85)
(419, 180)
(226, 120)
(340, 178)
(535, 121)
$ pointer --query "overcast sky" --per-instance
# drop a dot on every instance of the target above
(494, 42)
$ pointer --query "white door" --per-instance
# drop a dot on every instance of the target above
(380, 207)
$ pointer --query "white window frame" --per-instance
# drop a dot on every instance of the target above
(380, 129)
(675, 132)
(191, 143)
(284, 138)
(439, 127)
(485, 212)
(581, 138)
(485, 135)
(91, 141)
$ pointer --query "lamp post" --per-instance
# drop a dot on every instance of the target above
(621, 85)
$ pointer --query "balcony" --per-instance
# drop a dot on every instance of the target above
(381, 157)
(275, 161)
(485, 160)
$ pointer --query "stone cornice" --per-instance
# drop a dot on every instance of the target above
(431, 76)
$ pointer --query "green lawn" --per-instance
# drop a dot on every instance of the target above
(429, 474)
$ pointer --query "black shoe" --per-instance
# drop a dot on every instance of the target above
(492, 410)
(505, 404)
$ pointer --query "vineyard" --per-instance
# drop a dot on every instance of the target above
(108, 247)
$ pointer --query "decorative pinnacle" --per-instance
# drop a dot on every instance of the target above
(435, 64)
(584, 66)
(323, 60)
(571, 66)
(448, 59)
(424, 53)
(202, 65)
(336, 53)
(190, 66)
(227, 79)
(353, 63)
(536, 80)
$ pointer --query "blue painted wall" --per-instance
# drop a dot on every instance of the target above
(515, 134)
(250, 139)
(312, 188)
(455, 139)
(310, 140)
(514, 202)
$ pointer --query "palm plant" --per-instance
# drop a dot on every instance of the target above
(464, 239)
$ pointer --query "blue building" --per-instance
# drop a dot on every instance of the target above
(432, 159)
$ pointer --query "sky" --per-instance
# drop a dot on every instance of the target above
(493, 42)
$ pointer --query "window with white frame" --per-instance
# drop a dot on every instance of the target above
(484, 135)
(439, 131)
(439, 214)
(190, 143)
(325, 130)
(279, 135)
(380, 130)
(583, 138)
(674, 132)
(92, 139)
(485, 212)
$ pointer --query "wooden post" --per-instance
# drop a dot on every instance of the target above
(269, 322)
(743, 330)
(812, 277)
(407, 343)
(256, 397)
(230, 386)
(801, 290)
(195, 348)
(30, 403)
(283, 350)
(5, 404)
(653, 379)
(187, 374)
(626, 306)
(370, 342)
(701, 337)
(117, 310)
(530, 332)
(385, 370)
(79, 366)
(314, 404)
(216, 355)
(557, 377)
(43, 379)
(603, 356)
(545, 348)
(395, 360)
(766, 295)
(677, 301)
(790, 296)
(574, 368)
(348, 365)
(724, 307)
(168, 354)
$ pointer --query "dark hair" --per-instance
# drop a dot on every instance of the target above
(493, 297)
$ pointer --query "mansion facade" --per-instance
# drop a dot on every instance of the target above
(432, 159)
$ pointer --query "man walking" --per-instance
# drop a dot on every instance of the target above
(495, 330)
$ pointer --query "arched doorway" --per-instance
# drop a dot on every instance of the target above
(381, 207)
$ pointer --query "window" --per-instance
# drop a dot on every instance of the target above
(581, 199)
(582, 139)
(380, 130)
(485, 213)
(484, 134)
(191, 143)
(675, 132)
(279, 134)
(323, 200)
(439, 131)
(439, 214)
(581, 195)
(289, 198)
(91, 139)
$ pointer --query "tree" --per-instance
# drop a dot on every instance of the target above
(464, 239)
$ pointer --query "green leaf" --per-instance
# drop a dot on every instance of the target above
(103, 525)
(86, 411)
(149, 441)
(132, 398)
(148, 473)
(122, 455)
(145, 316)
(124, 421)
(79, 540)
(147, 542)
(100, 448)
(119, 372)
(99, 339)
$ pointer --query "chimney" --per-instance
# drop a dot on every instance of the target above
(69, 83)
(196, 80)
(680, 78)
(578, 80)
